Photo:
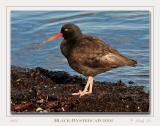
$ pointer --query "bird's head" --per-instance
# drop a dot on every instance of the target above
(68, 32)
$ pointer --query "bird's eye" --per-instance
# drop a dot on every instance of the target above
(66, 29)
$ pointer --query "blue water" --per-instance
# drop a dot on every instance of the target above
(127, 31)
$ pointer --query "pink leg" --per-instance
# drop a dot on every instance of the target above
(88, 85)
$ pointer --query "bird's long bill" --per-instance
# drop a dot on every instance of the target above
(56, 36)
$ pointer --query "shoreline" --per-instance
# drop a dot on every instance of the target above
(43, 91)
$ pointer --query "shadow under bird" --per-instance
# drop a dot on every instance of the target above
(88, 55)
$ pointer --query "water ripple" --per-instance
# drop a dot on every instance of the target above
(127, 31)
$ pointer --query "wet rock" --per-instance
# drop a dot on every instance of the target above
(52, 104)
(22, 106)
(34, 89)
(39, 109)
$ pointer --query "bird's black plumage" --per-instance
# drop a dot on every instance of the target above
(89, 55)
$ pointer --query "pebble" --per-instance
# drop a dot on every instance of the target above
(40, 101)
(18, 80)
(45, 111)
(63, 109)
(39, 109)
(127, 106)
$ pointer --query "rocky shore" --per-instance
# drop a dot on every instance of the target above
(43, 91)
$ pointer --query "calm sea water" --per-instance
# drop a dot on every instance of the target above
(127, 31)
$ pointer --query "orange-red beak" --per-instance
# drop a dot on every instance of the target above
(56, 36)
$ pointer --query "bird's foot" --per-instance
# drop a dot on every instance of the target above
(78, 93)
(82, 93)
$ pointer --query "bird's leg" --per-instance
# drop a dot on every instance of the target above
(91, 86)
(88, 85)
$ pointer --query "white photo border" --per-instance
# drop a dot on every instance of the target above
(77, 8)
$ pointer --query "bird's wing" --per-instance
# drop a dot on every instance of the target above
(93, 52)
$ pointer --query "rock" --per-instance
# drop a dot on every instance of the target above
(37, 88)
(39, 109)
(22, 106)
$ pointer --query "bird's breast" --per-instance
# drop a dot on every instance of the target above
(65, 48)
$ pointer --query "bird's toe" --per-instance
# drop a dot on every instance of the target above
(78, 93)
(82, 93)
(85, 93)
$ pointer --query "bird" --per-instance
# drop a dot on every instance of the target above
(88, 55)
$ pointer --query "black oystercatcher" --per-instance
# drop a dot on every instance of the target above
(88, 55)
